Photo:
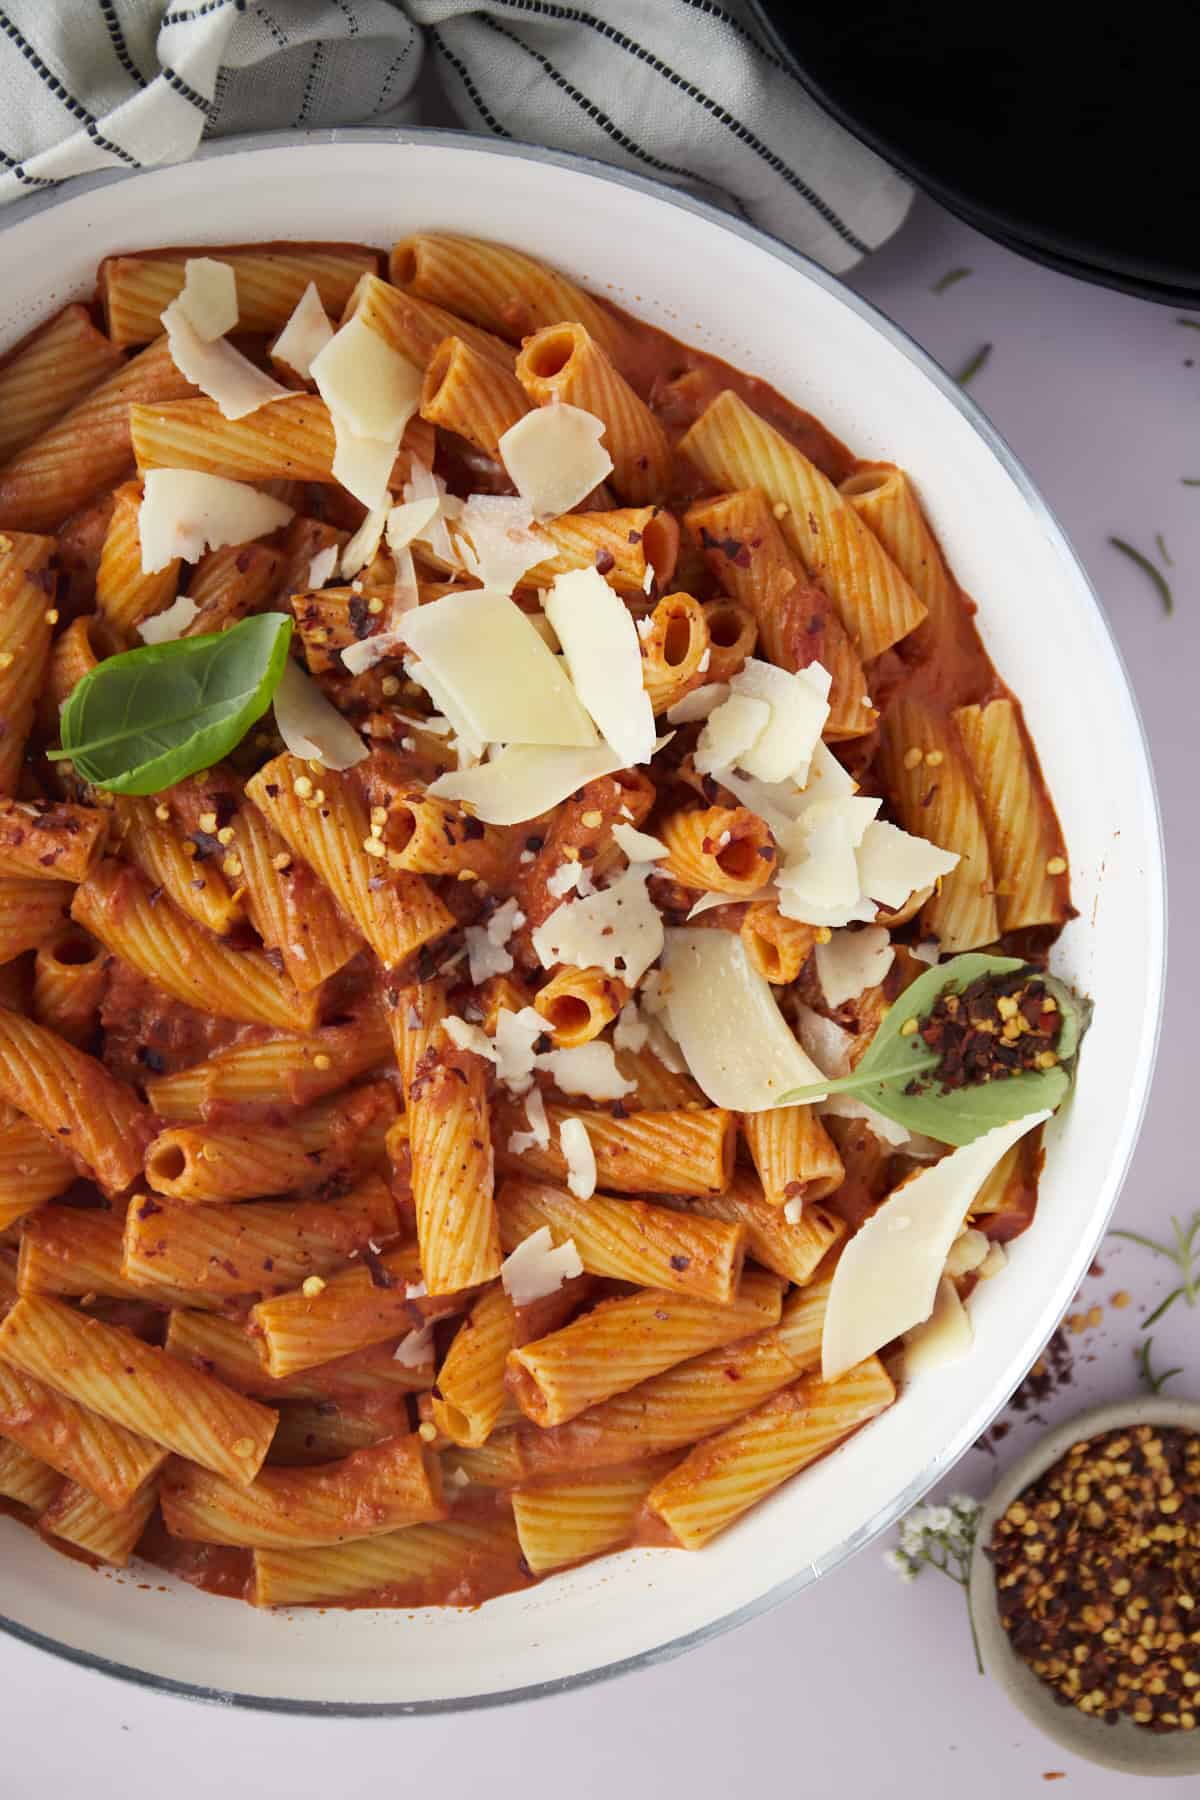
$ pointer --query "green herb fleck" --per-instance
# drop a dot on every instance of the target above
(948, 280)
(144, 720)
(1156, 575)
(1189, 480)
(1156, 1383)
(1160, 544)
(973, 365)
(1191, 324)
(1184, 1253)
(942, 1538)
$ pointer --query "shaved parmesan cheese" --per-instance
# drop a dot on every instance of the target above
(407, 522)
(524, 780)
(322, 566)
(798, 709)
(630, 1033)
(892, 864)
(995, 1260)
(707, 902)
(424, 485)
(732, 730)
(554, 457)
(967, 1251)
(209, 299)
(853, 961)
(536, 1268)
(217, 369)
(362, 546)
(825, 1041)
(638, 846)
(581, 1158)
(486, 945)
(366, 383)
(497, 540)
(849, 1106)
(945, 1337)
(725, 1019)
(818, 883)
(587, 1069)
(539, 1126)
(699, 703)
(164, 627)
(505, 920)
(486, 957)
(600, 644)
(416, 1348)
(887, 1276)
(305, 335)
(927, 951)
(516, 1034)
(362, 465)
(465, 1036)
(827, 779)
(183, 513)
(493, 672)
(793, 1209)
(619, 930)
(311, 726)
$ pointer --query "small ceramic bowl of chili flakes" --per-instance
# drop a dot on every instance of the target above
(1085, 1585)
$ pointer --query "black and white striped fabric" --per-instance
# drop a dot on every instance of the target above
(684, 90)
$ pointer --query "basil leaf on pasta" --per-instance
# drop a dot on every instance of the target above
(144, 720)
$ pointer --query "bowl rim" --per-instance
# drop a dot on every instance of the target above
(901, 341)
(1124, 1746)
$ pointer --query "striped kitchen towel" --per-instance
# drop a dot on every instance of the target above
(683, 90)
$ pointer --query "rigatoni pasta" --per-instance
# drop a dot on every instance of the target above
(356, 1132)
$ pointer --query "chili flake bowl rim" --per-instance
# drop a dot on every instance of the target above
(1125, 1746)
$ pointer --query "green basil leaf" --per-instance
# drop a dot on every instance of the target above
(957, 1115)
(142, 721)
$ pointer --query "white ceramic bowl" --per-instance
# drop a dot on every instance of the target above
(731, 290)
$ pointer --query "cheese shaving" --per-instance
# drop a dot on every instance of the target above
(209, 299)
(727, 1023)
(699, 703)
(321, 568)
(554, 457)
(311, 726)
(638, 846)
(305, 335)
(619, 930)
(539, 1126)
(581, 1158)
(537, 1268)
(416, 1348)
(497, 540)
(217, 369)
(524, 781)
(587, 1069)
(893, 865)
(887, 1277)
(183, 513)
(407, 522)
(164, 627)
(360, 551)
(853, 961)
(486, 666)
(366, 383)
(945, 1337)
(600, 644)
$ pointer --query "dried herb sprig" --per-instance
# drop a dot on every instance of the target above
(1184, 1253)
(1156, 575)
(973, 365)
(942, 1538)
(949, 278)
(1155, 1382)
